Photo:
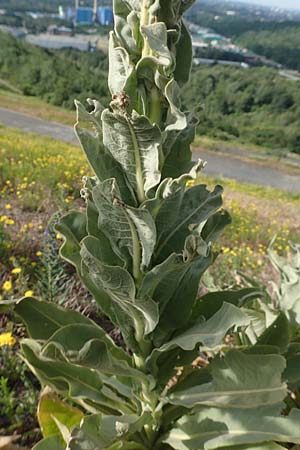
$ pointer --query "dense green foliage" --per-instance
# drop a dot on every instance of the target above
(282, 45)
(56, 76)
(46, 6)
(193, 373)
(256, 105)
(270, 35)
(252, 105)
(34, 5)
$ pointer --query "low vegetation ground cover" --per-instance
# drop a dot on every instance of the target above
(264, 113)
(34, 106)
(40, 176)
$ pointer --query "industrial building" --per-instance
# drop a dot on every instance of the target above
(105, 16)
(88, 15)
(84, 16)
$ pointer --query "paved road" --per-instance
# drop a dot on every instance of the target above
(249, 172)
(33, 124)
(227, 166)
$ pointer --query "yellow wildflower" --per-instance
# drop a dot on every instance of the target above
(8, 206)
(7, 286)
(38, 253)
(16, 270)
(190, 183)
(28, 294)
(7, 339)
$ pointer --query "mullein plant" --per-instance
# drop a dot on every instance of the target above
(193, 373)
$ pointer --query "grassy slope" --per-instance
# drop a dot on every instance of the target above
(39, 176)
(35, 107)
(38, 108)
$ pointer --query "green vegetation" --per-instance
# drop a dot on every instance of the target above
(34, 5)
(19, 392)
(254, 105)
(34, 106)
(29, 261)
(281, 45)
(275, 36)
(191, 369)
(46, 6)
(55, 76)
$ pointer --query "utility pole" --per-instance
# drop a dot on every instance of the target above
(95, 11)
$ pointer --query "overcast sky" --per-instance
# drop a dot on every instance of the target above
(293, 4)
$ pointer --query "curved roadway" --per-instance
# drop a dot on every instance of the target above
(227, 166)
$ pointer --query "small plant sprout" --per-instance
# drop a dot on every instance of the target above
(193, 373)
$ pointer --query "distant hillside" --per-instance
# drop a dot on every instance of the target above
(34, 5)
(56, 76)
(41, 5)
(248, 105)
(281, 45)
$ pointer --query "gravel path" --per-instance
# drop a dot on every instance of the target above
(227, 166)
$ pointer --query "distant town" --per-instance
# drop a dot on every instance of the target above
(86, 28)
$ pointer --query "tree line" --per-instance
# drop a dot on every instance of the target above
(55, 76)
(254, 105)
(282, 45)
(250, 105)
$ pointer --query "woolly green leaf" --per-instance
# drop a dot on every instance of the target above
(216, 429)
(50, 443)
(176, 119)
(262, 446)
(80, 383)
(239, 381)
(42, 318)
(210, 303)
(121, 75)
(276, 334)
(73, 228)
(209, 333)
(180, 296)
(90, 346)
(171, 281)
(177, 150)
(134, 142)
(288, 293)
(89, 131)
(184, 57)
(7, 305)
(131, 231)
(97, 431)
(119, 285)
(292, 371)
(156, 36)
(195, 206)
(214, 226)
(52, 407)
